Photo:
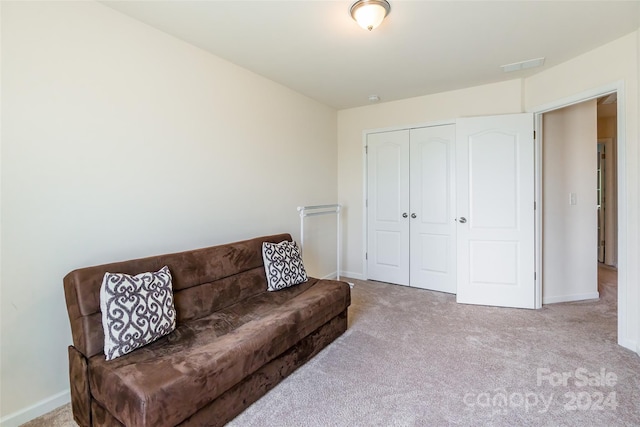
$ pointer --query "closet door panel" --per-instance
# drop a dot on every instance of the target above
(432, 229)
(388, 207)
(496, 240)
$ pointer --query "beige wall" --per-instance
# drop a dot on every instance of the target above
(569, 250)
(498, 98)
(120, 141)
(607, 126)
(614, 62)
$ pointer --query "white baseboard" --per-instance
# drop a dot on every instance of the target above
(570, 298)
(343, 275)
(352, 275)
(629, 344)
(330, 276)
(36, 410)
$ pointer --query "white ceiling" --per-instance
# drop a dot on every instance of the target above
(422, 47)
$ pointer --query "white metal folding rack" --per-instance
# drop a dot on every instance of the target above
(307, 211)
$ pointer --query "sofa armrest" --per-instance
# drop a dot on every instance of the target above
(80, 392)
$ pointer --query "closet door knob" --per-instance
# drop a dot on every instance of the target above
(413, 215)
(404, 215)
(462, 220)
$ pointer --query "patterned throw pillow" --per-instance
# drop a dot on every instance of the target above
(283, 265)
(136, 310)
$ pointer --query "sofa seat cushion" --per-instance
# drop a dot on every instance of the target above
(165, 382)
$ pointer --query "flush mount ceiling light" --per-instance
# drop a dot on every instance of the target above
(370, 13)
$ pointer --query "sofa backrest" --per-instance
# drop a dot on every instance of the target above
(204, 281)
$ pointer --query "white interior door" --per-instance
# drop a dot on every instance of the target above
(495, 208)
(432, 229)
(388, 207)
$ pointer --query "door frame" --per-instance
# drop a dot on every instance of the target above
(621, 171)
(365, 184)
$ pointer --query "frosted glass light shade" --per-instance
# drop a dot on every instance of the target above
(370, 13)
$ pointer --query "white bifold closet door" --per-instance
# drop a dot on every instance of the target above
(432, 226)
(388, 207)
(411, 228)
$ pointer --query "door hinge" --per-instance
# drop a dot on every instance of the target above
(535, 206)
(534, 134)
(366, 255)
(534, 275)
(366, 149)
(366, 203)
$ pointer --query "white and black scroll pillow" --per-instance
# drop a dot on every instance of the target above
(283, 265)
(136, 310)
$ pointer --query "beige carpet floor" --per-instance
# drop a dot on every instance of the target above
(416, 358)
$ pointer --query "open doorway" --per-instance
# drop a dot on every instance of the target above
(607, 182)
(607, 190)
(579, 193)
(623, 306)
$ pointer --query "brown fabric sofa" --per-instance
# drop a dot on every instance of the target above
(233, 340)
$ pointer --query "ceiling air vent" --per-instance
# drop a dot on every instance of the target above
(523, 65)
